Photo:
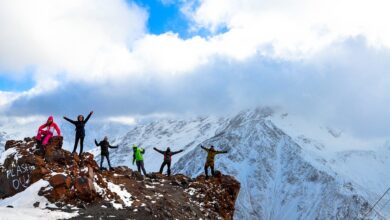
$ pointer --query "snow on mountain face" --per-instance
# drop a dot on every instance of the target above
(364, 162)
(283, 176)
(93, 130)
(3, 139)
(277, 182)
(176, 134)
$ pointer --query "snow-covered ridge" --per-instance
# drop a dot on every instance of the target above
(289, 168)
(176, 134)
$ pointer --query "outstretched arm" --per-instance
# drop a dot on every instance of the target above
(42, 127)
(221, 152)
(160, 151)
(71, 121)
(204, 148)
(176, 152)
(113, 146)
(96, 143)
(89, 115)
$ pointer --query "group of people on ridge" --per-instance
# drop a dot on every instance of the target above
(46, 131)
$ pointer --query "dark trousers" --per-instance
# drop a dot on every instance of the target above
(168, 163)
(140, 166)
(76, 142)
(206, 169)
(108, 160)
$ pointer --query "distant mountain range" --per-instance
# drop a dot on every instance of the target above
(289, 167)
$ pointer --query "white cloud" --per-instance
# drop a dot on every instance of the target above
(126, 120)
(74, 39)
(292, 28)
(99, 41)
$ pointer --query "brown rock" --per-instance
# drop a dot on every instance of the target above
(76, 158)
(60, 180)
(39, 161)
(54, 155)
(10, 143)
(38, 173)
(56, 142)
(14, 177)
(74, 170)
(90, 173)
(85, 189)
(58, 193)
(137, 175)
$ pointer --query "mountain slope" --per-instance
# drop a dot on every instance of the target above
(289, 169)
(176, 134)
(277, 182)
(3, 138)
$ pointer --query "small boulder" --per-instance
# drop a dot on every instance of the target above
(56, 142)
(85, 189)
(60, 180)
(54, 155)
(58, 193)
(11, 143)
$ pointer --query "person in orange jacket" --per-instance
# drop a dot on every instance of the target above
(46, 131)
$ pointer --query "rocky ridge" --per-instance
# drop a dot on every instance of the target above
(77, 184)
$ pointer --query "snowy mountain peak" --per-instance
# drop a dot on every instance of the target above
(282, 176)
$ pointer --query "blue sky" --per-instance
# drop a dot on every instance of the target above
(139, 58)
(164, 17)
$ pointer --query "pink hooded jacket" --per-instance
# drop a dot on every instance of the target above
(50, 127)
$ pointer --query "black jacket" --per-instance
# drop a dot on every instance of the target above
(167, 154)
(104, 145)
(80, 131)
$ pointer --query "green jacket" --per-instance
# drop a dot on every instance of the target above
(138, 154)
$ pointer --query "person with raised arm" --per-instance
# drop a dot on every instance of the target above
(211, 152)
(80, 131)
(167, 158)
(139, 158)
(104, 145)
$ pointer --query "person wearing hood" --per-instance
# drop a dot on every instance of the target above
(139, 158)
(104, 145)
(211, 152)
(167, 158)
(80, 131)
(46, 131)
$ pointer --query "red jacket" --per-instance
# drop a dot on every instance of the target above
(50, 127)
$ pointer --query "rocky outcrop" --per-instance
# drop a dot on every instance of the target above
(78, 182)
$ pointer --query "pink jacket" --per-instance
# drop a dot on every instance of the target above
(50, 127)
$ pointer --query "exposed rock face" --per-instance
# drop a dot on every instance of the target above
(78, 181)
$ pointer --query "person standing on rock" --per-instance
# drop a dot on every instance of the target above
(139, 159)
(80, 131)
(46, 131)
(104, 145)
(211, 152)
(167, 158)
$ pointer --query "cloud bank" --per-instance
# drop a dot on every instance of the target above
(321, 59)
